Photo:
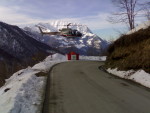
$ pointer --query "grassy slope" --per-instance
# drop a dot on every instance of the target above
(131, 51)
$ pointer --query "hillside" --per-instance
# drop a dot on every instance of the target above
(17, 43)
(19, 50)
(131, 51)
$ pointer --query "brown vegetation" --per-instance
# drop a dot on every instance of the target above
(41, 74)
(7, 69)
(131, 51)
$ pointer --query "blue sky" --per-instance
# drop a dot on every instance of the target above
(92, 13)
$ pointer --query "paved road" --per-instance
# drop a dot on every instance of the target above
(80, 87)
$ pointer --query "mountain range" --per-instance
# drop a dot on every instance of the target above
(89, 44)
(21, 47)
(18, 50)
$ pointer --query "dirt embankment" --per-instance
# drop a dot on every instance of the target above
(131, 51)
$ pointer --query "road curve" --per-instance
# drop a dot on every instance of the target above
(80, 87)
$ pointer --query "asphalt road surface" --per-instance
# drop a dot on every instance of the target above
(80, 87)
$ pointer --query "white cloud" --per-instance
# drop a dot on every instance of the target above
(94, 22)
(11, 16)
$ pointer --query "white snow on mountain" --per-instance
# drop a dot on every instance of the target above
(82, 44)
(61, 24)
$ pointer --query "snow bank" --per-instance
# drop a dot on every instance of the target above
(20, 94)
(99, 58)
(59, 57)
(139, 76)
(23, 92)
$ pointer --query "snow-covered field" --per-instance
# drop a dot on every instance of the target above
(24, 91)
(139, 76)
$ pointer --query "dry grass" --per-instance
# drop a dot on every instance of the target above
(41, 74)
(131, 51)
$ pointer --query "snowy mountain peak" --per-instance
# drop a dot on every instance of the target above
(63, 24)
(56, 25)
(88, 44)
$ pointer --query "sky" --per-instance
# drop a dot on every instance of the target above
(93, 13)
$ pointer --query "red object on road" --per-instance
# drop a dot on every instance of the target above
(73, 56)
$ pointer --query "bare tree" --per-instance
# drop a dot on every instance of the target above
(126, 13)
